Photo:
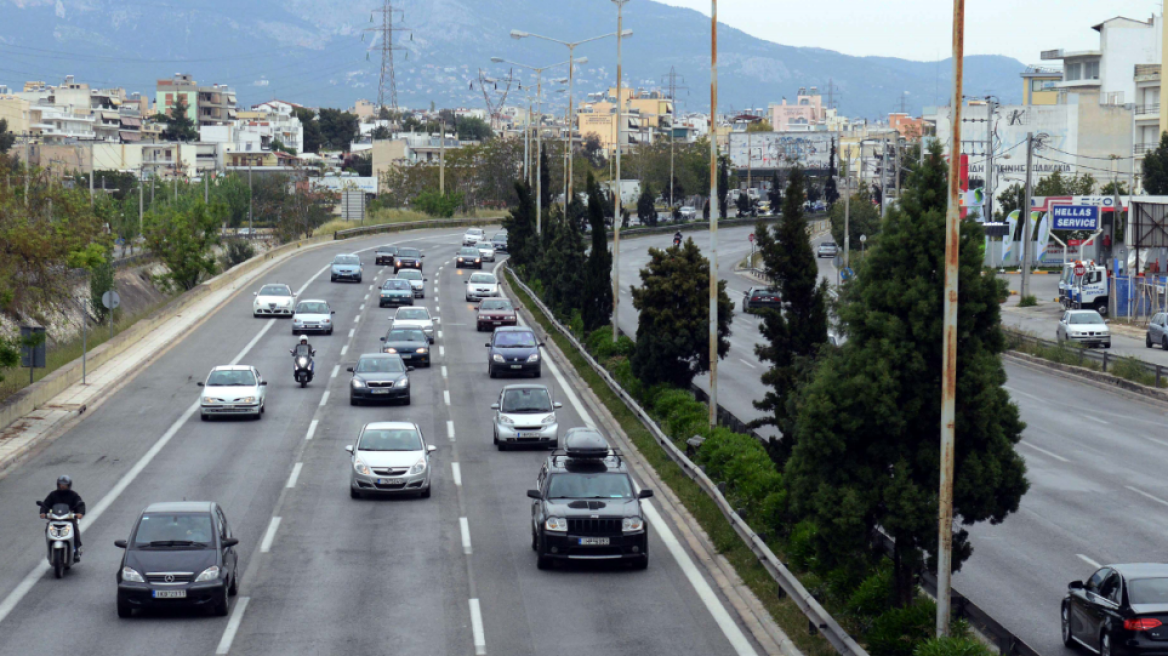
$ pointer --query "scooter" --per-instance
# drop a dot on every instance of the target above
(676, 242)
(303, 369)
(61, 542)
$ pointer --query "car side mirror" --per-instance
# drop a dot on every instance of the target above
(645, 494)
(494, 406)
(200, 384)
(488, 345)
(409, 368)
(466, 282)
(255, 293)
(230, 542)
(349, 448)
(381, 339)
(333, 312)
(121, 544)
(1075, 585)
(431, 449)
(263, 383)
(534, 494)
(557, 405)
(349, 369)
(541, 344)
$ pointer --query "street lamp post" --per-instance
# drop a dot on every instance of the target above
(713, 213)
(616, 215)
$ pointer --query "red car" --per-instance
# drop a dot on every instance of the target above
(494, 312)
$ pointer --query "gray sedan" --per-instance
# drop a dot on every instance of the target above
(525, 415)
(390, 457)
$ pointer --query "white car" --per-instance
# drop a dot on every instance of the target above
(1084, 327)
(688, 213)
(414, 317)
(486, 251)
(524, 415)
(417, 282)
(472, 237)
(313, 317)
(233, 390)
(390, 456)
(273, 301)
(481, 285)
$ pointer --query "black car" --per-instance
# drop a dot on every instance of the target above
(586, 507)
(380, 377)
(757, 298)
(407, 258)
(469, 257)
(1121, 609)
(499, 241)
(385, 254)
(514, 349)
(179, 554)
(410, 343)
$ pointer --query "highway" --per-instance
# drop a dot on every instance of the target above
(322, 573)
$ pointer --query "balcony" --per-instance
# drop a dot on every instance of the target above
(1148, 111)
(1147, 72)
(1145, 148)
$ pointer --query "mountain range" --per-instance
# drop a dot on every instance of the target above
(322, 53)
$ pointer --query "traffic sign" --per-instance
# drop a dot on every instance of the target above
(751, 237)
(1075, 217)
(1080, 270)
(111, 300)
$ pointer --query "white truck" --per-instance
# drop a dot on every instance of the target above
(1090, 291)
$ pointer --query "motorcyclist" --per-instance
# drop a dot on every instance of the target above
(303, 348)
(65, 494)
(677, 238)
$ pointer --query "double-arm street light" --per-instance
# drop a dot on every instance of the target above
(538, 135)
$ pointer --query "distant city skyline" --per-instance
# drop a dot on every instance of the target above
(852, 26)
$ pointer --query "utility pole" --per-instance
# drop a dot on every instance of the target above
(250, 230)
(141, 198)
(442, 157)
(1024, 213)
(91, 179)
(713, 213)
(616, 196)
(387, 84)
(848, 217)
(27, 167)
(206, 189)
(949, 362)
(991, 105)
(897, 154)
(527, 145)
(539, 156)
(673, 87)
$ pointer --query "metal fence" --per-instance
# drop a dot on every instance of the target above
(1082, 356)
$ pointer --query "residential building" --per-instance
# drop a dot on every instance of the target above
(409, 149)
(1040, 85)
(275, 106)
(17, 112)
(1147, 108)
(807, 112)
(206, 105)
(906, 126)
(365, 110)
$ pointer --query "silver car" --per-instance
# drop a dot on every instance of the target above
(390, 457)
(417, 281)
(236, 390)
(480, 286)
(414, 317)
(313, 317)
(472, 236)
(1158, 331)
(525, 414)
(486, 250)
(1084, 327)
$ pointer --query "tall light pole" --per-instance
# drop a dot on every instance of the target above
(616, 215)
(714, 213)
(538, 135)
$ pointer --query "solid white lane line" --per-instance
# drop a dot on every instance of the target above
(312, 429)
(314, 277)
(1044, 451)
(1021, 393)
(1145, 494)
(1152, 439)
(324, 398)
(747, 363)
(232, 626)
(270, 536)
(444, 371)
(352, 331)
(295, 475)
(446, 396)
(449, 434)
(464, 528)
(344, 349)
(1090, 562)
(476, 627)
(336, 370)
(254, 340)
(456, 470)
(1098, 421)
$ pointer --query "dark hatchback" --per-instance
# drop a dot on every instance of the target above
(407, 258)
(1121, 609)
(586, 507)
(758, 298)
(410, 343)
(499, 241)
(380, 377)
(180, 554)
(495, 312)
(385, 254)
(395, 292)
(514, 349)
(469, 257)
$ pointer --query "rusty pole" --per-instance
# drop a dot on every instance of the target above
(949, 363)
(714, 213)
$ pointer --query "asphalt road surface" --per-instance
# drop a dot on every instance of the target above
(322, 573)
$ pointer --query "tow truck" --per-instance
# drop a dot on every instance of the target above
(1090, 291)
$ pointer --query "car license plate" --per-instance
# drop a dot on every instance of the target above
(524, 434)
(170, 594)
(391, 481)
(516, 366)
(593, 542)
(380, 391)
(406, 356)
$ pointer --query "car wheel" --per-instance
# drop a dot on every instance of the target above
(1148, 341)
(332, 278)
(534, 541)
(1164, 344)
(125, 610)
(353, 493)
(1068, 639)
(641, 563)
(234, 588)
(544, 562)
(407, 401)
(539, 372)
(221, 606)
(330, 331)
(204, 417)
(1105, 644)
(491, 371)
(426, 492)
(353, 401)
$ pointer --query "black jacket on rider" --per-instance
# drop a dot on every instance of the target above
(67, 497)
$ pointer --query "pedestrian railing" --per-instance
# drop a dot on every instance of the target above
(1082, 356)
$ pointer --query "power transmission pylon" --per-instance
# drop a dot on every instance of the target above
(489, 84)
(388, 81)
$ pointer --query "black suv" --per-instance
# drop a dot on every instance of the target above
(179, 554)
(385, 254)
(407, 258)
(586, 507)
(514, 349)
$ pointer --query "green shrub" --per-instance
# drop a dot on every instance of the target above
(622, 371)
(1029, 300)
(237, 251)
(742, 462)
(899, 631)
(599, 343)
(1132, 369)
(874, 594)
(801, 545)
(435, 204)
(953, 646)
(576, 323)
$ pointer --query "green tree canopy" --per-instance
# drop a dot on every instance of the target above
(646, 206)
(6, 138)
(179, 125)
(381, 133)
(1156, 169)
(338, 129)
(863, 218)
(182, 235)
(597, 296)
(313, 138)
(473, 128)
(520, 224)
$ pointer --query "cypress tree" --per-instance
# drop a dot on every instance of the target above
(520, 225)
(597, 310)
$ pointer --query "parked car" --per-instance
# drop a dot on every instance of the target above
(757, 298)
(347, 267)
(525, 414)
(481, 285)
(1083, 327)
(414, 317)
(514, 350)
(1121, 609)
(384, 254)
(417, 282)
(390, 457)
(688, 213)
(273, 300)
(1157, 331)
(179, 554)
(468, 256)
(233, 390)
(379, 377)
(394, 292)
(472, 236)
(410, 343)
(408, 258)
(495, 312)
(313, 317)
(827, 249)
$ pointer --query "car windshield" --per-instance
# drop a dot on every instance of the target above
(275, 290)
(1148, 591)
(409, 274)
(174, 530)
(409, 252)
(406, 336)
(411, 313)
(515, 339)
(391, 365)
(483, 278)
(242, 378)
(347, 259)
(1086, 318)
(390, 439)
(387, 249)
(496, 304)
(469, 250)
(312, 308)
(828, 244)
(474, 231)
(500, 236)
(577, 485)
(396, 283)
(527, 400)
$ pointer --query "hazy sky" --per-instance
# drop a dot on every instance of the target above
(921, 29)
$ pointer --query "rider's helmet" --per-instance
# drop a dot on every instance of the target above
(303, 339)
(65, 480)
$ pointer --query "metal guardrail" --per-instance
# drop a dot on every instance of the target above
(669, 227)
(820, 621)
(1103, 357)
(414, 225)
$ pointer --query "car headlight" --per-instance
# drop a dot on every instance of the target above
(357, 382)
(209, 574)
(208, 400)
(418, 467)
(497, 358)
(132, 575)
(548, 420)
(558, 524)
(460, 259)
(632, 525)
(423, 350)
(478, 259)
(249, 399)
(506, 421)
(391, 350)
(397, 263)
(404, 382)
(361, 468)
(534, 357)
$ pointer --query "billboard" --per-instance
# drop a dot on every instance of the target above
(781, 150)
(1075, 217)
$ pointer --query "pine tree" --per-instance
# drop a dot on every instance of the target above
(520, 225)
(867, 450)
(1156, 169)
(179, 126)
(723, 185)
(564, 270)
(775, 194)
(545, 177)
(830, 192)
(646, 206)
(793, 337)
(597, 301)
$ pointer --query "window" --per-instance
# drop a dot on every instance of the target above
(1110, 588)
(1091, 70)
(1073, 72)
(1096, 580)
(1042, 85)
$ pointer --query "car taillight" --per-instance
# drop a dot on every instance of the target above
(1142, 624)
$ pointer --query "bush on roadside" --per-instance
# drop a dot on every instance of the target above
(953, 646)
(801, 546)
(899, 631)
(333, 226)
(1133, 369)
(237, 251)
(753, 482)
(1029, 300)
(874, 595)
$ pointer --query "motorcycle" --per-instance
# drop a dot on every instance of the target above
(61, 541)
(303, 369)
(676, 242)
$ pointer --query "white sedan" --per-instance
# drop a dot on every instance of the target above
(1084, 327)
(273, 301)
(236, 390)
(414, 317)
(472, 237)
(486, 251)
(481, 285)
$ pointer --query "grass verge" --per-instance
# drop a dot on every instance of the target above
(786, 614)
(1128, 368)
